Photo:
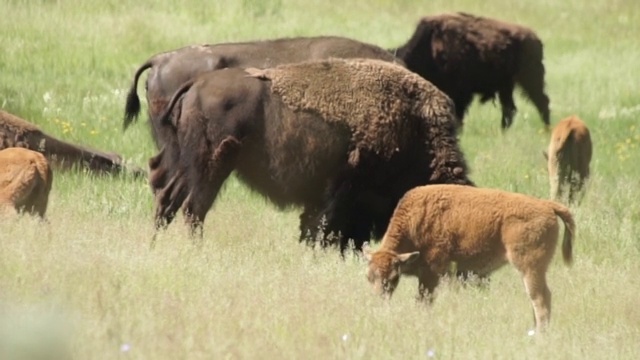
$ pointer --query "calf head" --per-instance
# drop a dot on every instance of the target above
(385, 267)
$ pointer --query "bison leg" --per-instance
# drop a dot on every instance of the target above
(427, 283)
(206, 183)
(311, 223)
(462, 102)
(532, 83)
(508, 105)
(347, 217)
(169, 199)
(40, 203)
(535, 284)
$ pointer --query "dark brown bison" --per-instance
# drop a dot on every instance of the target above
(464, 55)
(25, 182)
(17, 132)
(169, 70)
(343, 139)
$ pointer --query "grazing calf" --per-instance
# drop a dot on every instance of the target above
(480, 230)
(25, 181)
(568, 158)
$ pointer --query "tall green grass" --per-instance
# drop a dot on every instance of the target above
(88, 283)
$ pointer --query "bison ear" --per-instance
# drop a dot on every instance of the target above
(366, 251)
(546, 156)
(257, 73)
(408, 258)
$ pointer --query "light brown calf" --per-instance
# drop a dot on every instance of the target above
(25, 181)
(568, 158)
(480, 230)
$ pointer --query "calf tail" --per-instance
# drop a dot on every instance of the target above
(132, 107)
(569, 231)
(165, 118)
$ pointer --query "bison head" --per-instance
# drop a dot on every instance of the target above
(385, 267)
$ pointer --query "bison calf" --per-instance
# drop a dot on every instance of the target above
(480, 230)
(463, 55)
(25, 181)
(568, 158)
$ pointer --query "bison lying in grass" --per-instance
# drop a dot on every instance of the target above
(17, 132)
(173, 68)
(464, 55)
(344, 139)
(568, 158)
(480, 230)
(25, 182)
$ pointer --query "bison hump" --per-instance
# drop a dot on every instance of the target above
(380, 102)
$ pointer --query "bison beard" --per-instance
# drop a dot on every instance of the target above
(345, 150)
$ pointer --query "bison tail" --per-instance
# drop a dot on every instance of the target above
(165, 118)
(569, 231)
(132, 107)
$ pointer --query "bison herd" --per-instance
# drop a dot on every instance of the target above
(362, 139)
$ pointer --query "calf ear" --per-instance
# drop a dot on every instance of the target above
(366, 251)
(408, 258)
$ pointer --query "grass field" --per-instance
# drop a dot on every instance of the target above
(88, 283)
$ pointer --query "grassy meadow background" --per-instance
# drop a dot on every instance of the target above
(87, 285)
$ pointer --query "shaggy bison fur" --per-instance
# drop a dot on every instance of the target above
(17, 132)
(344, 139)
(478, 229)
(464, 55)
(169, 70)
(568, 158)
(25, 182)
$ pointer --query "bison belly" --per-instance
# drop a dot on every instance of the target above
(296, 159)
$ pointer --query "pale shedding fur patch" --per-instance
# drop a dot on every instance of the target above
(371, 97)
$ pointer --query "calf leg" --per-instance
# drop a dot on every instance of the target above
(508, 105)
(205, 183)
(427, 283)
(535, 284)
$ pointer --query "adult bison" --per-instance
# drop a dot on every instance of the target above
(17, 132)
(344, 139)
(169, 70)
(464, 55)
